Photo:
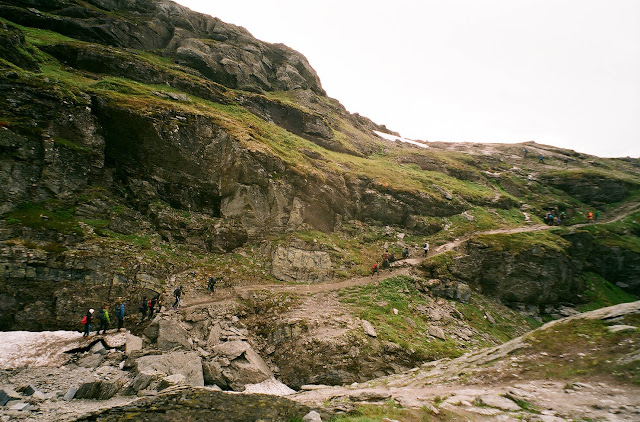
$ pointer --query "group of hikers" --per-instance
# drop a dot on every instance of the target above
(103, 318)
(389, 258)
(555, 218)
(147, 307)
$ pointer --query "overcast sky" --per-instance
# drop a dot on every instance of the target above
(558, 72)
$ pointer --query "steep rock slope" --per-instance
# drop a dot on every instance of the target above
(142, 144)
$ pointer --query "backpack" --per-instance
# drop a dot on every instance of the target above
(84, 320)
(374, 266)
(150, 303)
(101, 316)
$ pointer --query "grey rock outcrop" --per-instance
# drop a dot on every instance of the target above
(188, 364)
(294, 264)
(97, 390)
(241, 365)
(168, 334)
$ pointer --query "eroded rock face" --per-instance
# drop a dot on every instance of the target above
(535, 276)
(299, 265)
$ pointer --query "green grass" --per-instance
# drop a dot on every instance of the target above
(519, 242)
(602, 293)
(508, 323)
(66, 143)
(375, 303)
(45, 216)
(580, 349)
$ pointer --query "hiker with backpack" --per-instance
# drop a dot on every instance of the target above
(405, 253)
(152, 306)
(103, 318)
(144, 305)
(374, 269)
(426, 248)
(120, 315)
(177, 293)
(211, 285)
(86, 320)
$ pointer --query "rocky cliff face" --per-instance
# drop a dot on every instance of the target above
(139, 139)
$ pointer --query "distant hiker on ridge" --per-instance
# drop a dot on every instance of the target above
(426, 248)
(541, 159)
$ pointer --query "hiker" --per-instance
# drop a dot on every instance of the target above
(426, 248)
(143, 308)
(386, 256)
(405, 253)
(152, 306)
(541, 159)
(103, 317)
(211, 284)
(392, 258)
(120, 315)
(525, 152)
(590, 216)
(160, 301)
(596, 215)
(87, 323)
(374, 269)
(177, 293)
(550, 217)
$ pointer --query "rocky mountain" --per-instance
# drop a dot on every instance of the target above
(144, 146)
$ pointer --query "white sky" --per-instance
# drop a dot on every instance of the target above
(559, 72)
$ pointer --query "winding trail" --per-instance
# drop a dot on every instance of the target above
(402, 267)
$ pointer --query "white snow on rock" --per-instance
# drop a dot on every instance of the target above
(19, 349)
(390, 137)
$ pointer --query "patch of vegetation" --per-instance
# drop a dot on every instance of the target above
(63, 142)
(507, 324)
(519, 242)
(376, 304)
(602, 293)
(582, 348)
(391, 411)
(45, 216)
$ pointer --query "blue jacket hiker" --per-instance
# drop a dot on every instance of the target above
(120, 316)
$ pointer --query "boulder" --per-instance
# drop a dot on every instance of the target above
(70, 394)
(92, 360)
(188, 364)
(368, 328)
(212, 372)
(499, 402)
(436, 332)
(245, 365)
(4, 398)
(132, 344)
(140, 382)
(167, 334)
(97, 390)
(312, 416)
(172, 380)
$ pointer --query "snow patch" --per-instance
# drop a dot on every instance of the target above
(390, 137)
(19, 349)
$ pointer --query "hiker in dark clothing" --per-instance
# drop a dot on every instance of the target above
(120, 316)
(541, 159)
(405, 253)
(103, 317)
(426, 248)
(152, 306)
(87, 323)
(525, 152)
(211, 285)
(177, 293)
(143, 308)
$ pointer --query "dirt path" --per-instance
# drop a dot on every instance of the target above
(402, 267)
